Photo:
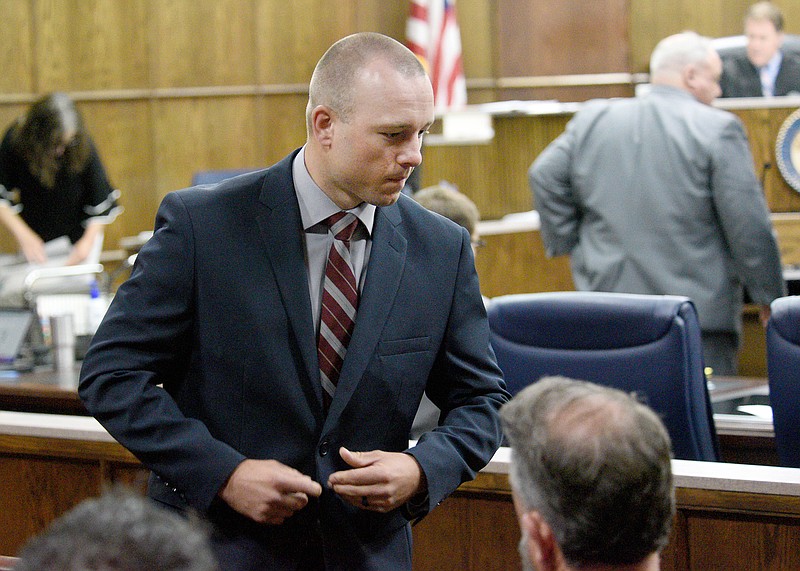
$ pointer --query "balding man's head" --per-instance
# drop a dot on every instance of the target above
(334, 79)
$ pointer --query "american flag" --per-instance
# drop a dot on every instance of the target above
(432, 33)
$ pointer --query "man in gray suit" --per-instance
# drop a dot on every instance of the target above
(657, 195)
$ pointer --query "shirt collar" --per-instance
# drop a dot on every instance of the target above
(315, 205)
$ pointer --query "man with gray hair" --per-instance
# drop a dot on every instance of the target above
(657, 195)
(591, 477)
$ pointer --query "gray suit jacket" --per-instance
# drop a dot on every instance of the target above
(207, 356)
(657, 195)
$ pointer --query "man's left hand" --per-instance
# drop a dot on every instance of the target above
(379, 481)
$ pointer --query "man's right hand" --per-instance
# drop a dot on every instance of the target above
(267, 491)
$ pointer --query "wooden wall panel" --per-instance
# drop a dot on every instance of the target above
(494, 174)
(15, 47)
(192, 134)
(763, 126)
(202, 42)
(84, 45)
(516, 263)
(541, 37)
(41, 481)
(123, 132)
(478, 20)
(755, 545)
(282, 126)
(293, 35)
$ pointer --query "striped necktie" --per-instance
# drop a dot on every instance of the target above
(339, 303)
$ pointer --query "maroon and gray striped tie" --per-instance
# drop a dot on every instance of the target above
(339, 303)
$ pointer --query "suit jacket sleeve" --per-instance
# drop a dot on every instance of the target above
(553, 194)
(744, 215)
(466, 384)
(139, 355)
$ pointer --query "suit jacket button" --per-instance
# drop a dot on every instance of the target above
(323, 448)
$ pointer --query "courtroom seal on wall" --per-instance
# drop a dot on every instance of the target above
(787, 150)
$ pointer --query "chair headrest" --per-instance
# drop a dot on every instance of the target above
(562, 319)
(785, 319)
(737, 45)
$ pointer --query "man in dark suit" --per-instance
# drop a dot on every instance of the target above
(206, 365)
(764, 70)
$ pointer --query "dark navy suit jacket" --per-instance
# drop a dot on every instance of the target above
(740, 77)
(207, 356)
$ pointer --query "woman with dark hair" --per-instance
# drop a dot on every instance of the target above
(52, 183)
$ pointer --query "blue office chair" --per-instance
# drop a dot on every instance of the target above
(783, 370)
(215, 176)
(646, 344)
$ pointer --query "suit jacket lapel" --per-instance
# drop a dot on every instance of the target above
(385, 268)
(282, 233)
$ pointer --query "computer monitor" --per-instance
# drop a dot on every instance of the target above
(15, 326)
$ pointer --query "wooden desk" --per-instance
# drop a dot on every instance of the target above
(43, 390)
(728, 517)
(48, 464)
(741, 441)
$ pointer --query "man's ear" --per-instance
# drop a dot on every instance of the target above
(542, 547)
(688, 74)
(322, 119)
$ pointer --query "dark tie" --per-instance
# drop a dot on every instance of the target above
(339, 303)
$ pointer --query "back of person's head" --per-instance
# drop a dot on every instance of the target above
(47, 123)
(333, 82)
(595, 464)
(119, 531)
(450, 203)
(766, 11)
(674, 53)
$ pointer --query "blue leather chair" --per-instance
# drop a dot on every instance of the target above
(215, 176)
(645, 344)
(783, 370)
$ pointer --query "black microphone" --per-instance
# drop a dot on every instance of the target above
(767, 166)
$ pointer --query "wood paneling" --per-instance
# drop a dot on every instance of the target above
(293, 35)
(763, 127)
(712, 530)
(123, 131)
(85, 45)
(494, 174)
(516, 263)
(193, 134)
(39, 482)
(202, 42)
(44, 477)
(282, 126)
(15, 47)
(541, 37)
(478, 20)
